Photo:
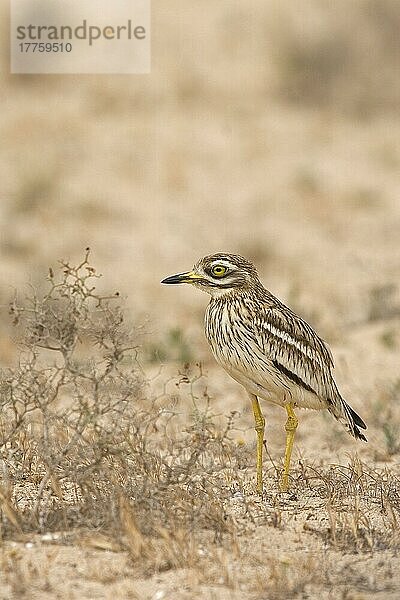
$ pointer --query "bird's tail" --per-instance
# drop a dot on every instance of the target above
(349, 418)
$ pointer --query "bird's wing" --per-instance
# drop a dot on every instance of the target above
(296, 350)
(304, 358)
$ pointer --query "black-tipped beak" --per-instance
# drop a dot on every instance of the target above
(187, 277)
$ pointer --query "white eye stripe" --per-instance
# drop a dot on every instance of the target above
(224, 263)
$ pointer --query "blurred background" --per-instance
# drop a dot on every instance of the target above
(269, 129)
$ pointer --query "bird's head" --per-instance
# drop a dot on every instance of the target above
(219, 274)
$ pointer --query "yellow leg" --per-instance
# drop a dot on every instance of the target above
(291, 426)
(259, 427)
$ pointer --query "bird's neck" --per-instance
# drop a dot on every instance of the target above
(250, 294)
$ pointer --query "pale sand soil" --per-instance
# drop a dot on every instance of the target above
(302, 566)
(204, 155)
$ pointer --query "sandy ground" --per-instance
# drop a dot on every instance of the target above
(218, 150)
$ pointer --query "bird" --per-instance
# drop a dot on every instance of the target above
(267, 348)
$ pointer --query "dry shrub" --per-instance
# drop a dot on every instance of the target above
(82, 444)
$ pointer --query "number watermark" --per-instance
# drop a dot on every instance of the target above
(45, 47)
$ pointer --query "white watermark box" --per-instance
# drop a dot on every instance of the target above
(80, 36)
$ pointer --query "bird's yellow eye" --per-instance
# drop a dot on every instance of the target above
(219, 271)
